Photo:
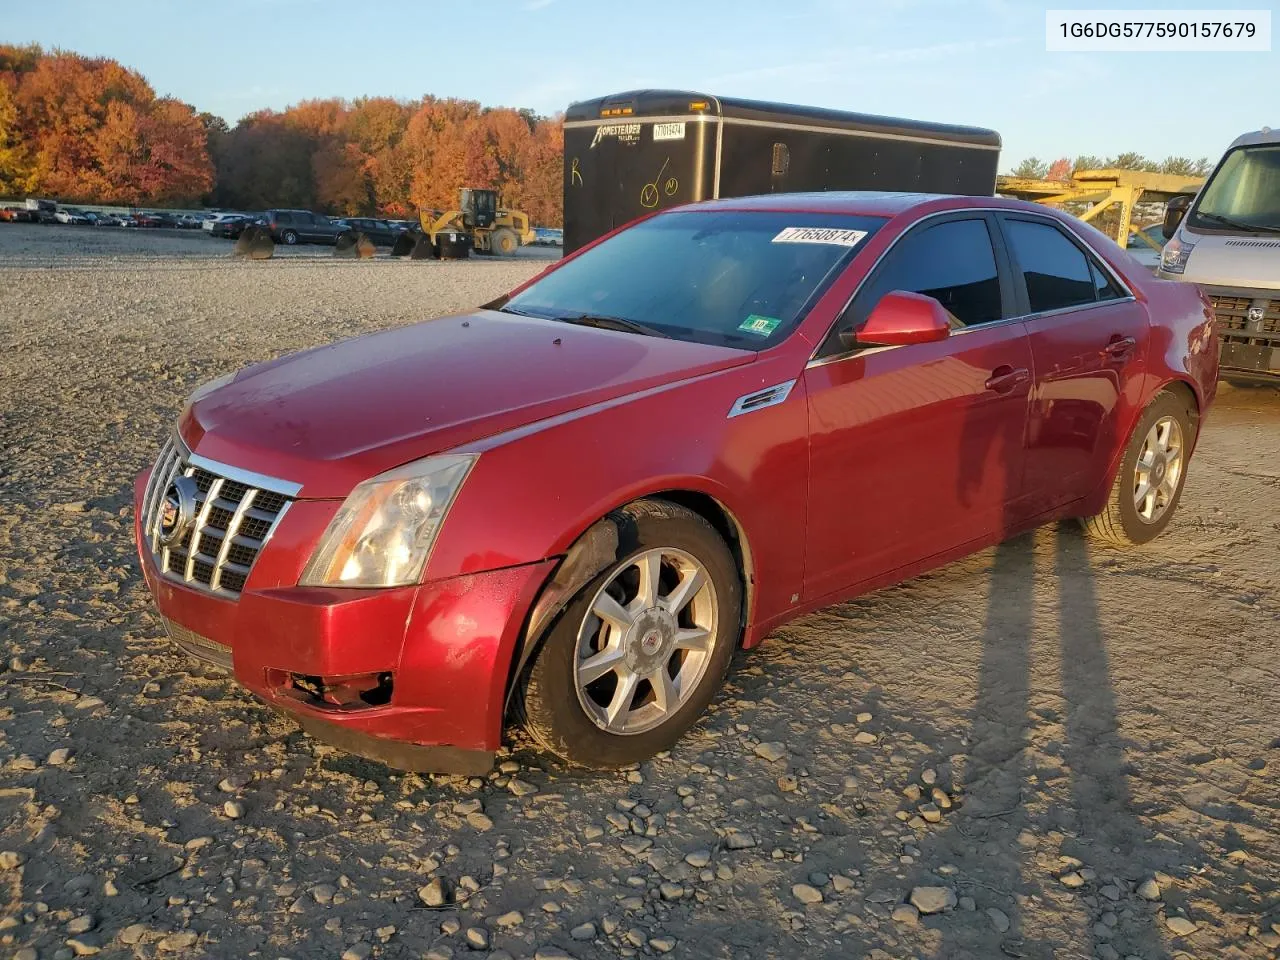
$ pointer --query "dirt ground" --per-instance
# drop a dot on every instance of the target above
(1052, 749)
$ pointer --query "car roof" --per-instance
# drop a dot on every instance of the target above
(871, 203)
(1264, 136)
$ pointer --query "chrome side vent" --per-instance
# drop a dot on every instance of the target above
(768, 397)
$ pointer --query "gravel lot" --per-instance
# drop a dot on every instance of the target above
(1047, 750)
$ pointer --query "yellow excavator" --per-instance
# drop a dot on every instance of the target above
(477, 224)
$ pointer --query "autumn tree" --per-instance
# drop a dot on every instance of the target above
(94, 130)
(16, 173)
(1060, 169)
(88, 129)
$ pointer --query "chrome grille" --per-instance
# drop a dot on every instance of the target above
(234, 519)
(1233, 314)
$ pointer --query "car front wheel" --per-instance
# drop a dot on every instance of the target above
(638, 654)
(1149, 483)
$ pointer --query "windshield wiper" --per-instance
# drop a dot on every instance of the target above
(614, 323)
(1236, 224)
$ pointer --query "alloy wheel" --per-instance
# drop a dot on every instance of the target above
(646, 641)
(1158, 470)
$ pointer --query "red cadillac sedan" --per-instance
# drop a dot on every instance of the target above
(569, 508)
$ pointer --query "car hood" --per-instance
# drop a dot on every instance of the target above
(333, 416)
(1221, 260)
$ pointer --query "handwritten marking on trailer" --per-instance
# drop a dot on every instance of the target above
(649, 195)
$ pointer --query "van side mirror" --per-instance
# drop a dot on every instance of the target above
(900, 319)
(1174, 211)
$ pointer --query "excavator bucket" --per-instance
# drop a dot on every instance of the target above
(254, 243)
(423, 248)
(404, 244)
(353, 245)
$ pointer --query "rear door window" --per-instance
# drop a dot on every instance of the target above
(1056, 272)
(1103, 285)
(283, 217)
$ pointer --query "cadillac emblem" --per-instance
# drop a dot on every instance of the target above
(177, 511)
(1255, 314)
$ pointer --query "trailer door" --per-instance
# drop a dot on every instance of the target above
(619, 169)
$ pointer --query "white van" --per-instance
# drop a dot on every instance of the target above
(1228, 242)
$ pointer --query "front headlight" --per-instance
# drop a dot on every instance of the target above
(384, 532)
(1173, 258)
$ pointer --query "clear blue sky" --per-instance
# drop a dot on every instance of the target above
(965, 61)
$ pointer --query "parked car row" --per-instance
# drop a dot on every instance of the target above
(291, 227)
(45, 211)
(286, 226)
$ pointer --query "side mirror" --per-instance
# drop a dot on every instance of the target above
(1174, 211)
(899, 319)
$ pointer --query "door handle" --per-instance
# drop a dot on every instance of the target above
(1005, 378)
(1119, 348)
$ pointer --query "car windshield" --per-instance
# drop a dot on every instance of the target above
(728, 277)
(1245, 190)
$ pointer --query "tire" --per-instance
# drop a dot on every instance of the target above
(503, 242)
(1123, 522)
(552, 704)
(289, 237)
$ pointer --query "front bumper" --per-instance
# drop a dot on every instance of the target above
(447, 647)
(1248, 327)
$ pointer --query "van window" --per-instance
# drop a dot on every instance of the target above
(1243, 193)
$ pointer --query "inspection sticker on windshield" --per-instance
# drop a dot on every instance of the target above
(841, 238)
(761, 326)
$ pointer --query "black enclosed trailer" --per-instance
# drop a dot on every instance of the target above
(631, 153)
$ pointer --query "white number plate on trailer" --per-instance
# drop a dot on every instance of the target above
(668, 131)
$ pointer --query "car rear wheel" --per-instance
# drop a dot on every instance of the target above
(290, 237)
(1149, 483)
(640, 651)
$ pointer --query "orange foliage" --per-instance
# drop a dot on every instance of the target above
(94, 130)
(1060, 169)
(378, 155)
(85, 129)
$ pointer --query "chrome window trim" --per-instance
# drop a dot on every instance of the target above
(848, 355)
(1033, 215)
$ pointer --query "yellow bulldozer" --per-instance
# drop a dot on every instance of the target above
(477, 224)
